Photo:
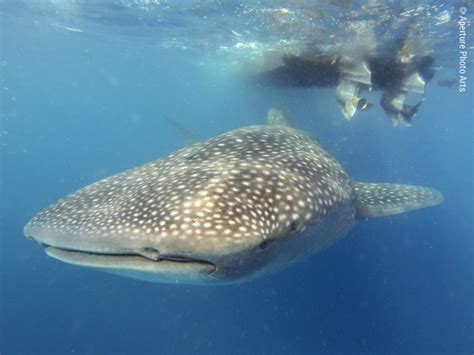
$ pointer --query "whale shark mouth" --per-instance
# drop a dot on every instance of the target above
(164, 268)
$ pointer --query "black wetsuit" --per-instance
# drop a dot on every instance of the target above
(325, 71)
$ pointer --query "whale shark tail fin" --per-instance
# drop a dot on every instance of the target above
(379, 200)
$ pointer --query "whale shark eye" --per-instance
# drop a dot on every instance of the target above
(294, 226)
(264, 244)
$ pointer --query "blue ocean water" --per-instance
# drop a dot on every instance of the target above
(88, 89)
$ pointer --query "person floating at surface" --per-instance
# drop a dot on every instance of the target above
(396, 76)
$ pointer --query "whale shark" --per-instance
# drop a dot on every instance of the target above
(242, 204)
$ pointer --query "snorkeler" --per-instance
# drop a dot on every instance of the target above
(354, 78)
(393, 103)
(396, 76)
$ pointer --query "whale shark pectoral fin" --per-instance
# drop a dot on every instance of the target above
(187, 136)
(379, 200)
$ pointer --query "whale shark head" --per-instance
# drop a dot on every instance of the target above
(235, 206)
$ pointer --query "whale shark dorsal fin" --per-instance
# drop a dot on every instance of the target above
(276, 117)
(379, 200)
